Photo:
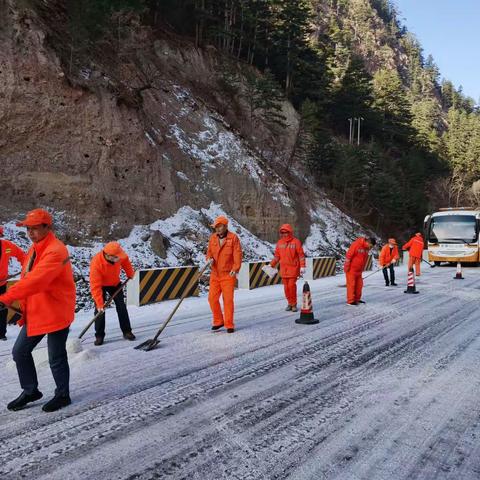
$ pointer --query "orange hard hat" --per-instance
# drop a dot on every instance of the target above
(36, 217)
(114, 249)
(221, 220)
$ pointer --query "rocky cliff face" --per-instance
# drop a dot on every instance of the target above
(115, 141)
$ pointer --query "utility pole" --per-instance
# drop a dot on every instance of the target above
(359, 119)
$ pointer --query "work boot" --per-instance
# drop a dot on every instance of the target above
(3, 338)
(288, 308)
(387, 284)
(216, 327)
(294, 308)
(394, 284)
(98, 341)
(56, 403)
(23, 399)
(352, 304)
(129, 336)
(361, 301)
(230, 330)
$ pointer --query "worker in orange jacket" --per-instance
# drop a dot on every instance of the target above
(105, 270)
(415, 252)
(46, 291)
(388, 257)
(225, 251)
(289, 253)
(355, 263)
(7, 251)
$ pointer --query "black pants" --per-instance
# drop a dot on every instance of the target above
(392, 275)
(122, 313)
(3, 315)
(57, 357)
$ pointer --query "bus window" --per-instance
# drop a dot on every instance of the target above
(453, 229)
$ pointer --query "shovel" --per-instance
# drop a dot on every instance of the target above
(105, 305)
(431, 265)
(152, 343)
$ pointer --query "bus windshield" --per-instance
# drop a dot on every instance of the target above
(453, 229)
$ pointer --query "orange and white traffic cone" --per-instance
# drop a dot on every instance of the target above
(306, 313)
(411, 282)
(458, 275)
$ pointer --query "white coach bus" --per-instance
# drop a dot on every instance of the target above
(452, 235)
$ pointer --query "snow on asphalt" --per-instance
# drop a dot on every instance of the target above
(389, 390)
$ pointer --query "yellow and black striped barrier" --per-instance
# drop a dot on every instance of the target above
(158, 284)
(13, 316)
(320, 267)
(252, 276)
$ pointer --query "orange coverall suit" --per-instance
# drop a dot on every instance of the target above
(355, 262)
(289, 253)
(415, 251)
(227, 257)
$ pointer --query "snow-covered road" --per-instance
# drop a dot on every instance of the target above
(389, 390)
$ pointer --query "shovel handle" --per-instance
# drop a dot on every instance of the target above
(105, 305)
(431, 265)
(182, 298)
(373, 273)
(8, 277)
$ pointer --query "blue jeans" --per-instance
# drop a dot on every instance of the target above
(57, 357)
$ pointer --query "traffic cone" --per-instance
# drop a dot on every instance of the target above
(458, 275)
(306, 313)
(411, 283)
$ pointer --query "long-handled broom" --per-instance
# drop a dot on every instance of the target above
(105, 305)
(152, 343)
(431, 265)
(365, 277)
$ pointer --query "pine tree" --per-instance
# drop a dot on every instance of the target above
(391, 103)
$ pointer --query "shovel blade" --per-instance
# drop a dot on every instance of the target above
(148, 345)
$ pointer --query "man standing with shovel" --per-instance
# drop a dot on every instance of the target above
(226, 253)
(105, 278)
(46, 291)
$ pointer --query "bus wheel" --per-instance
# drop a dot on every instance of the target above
(437, 263)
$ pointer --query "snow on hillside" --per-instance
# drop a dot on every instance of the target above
(214, 145)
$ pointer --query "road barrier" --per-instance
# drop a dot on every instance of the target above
(319, 267)
(252, 276)
(158, 284)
